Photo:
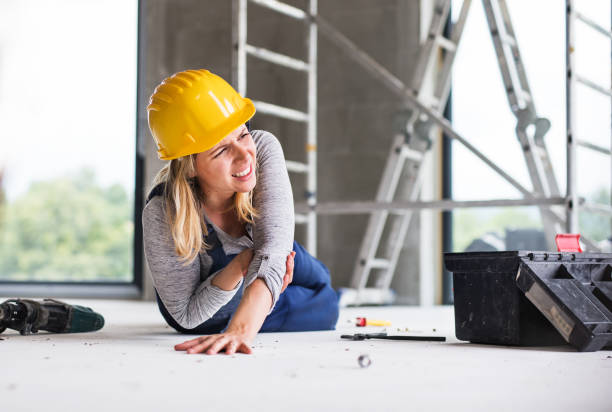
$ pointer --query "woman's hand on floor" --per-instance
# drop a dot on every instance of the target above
(235, 339)
(230, 342)
(288, 278)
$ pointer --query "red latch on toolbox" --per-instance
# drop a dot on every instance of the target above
(568, 242)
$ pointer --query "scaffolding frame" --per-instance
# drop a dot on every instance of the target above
(546, 202)
(397, 87)
(575, 204)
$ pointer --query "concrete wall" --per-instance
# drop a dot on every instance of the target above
(355, 117)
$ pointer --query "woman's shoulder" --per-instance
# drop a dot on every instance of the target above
(266, 144)
(264, 138)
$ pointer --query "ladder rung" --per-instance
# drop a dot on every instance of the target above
(540, 151)
(366, 296)
(301, 218)
(379, 263)
(593, 25)
(446, 43)
(509, 40)
(279, 111)
(430, 101)
(408, 153)
(592, 146)
(594, 86)
(276, 58)
(526, 96)
(282, 8)
(521, 95)
(296, 166)
(504, 38)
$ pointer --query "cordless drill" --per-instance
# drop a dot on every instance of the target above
(29, 316)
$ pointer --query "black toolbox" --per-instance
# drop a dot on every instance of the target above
(533, 298)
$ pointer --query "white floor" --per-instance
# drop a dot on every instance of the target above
(131, 365)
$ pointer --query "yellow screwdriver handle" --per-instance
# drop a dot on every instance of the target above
(375, 322)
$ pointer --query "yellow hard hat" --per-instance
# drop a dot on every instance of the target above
(192, 111)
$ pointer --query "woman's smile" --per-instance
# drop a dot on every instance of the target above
(245, 174)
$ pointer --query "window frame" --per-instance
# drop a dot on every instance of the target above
(114, 290)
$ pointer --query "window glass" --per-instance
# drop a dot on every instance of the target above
(482, 115)
(67, 132)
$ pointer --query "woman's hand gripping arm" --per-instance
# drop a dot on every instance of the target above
(231, 275)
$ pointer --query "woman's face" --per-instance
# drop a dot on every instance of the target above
(229, 166)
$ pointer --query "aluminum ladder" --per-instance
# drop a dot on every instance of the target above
(419, 128)
(242, 49)
(411, 146)
(521, 103)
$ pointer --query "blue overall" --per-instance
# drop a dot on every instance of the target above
(309, 302)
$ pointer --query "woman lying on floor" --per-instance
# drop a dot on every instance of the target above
(218, 224)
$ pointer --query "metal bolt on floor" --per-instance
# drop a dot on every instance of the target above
(364, 360)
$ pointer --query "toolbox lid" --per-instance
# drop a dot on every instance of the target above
(573, 291)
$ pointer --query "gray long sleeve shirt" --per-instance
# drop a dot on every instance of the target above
(186, 290)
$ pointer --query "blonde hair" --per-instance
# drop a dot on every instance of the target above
(184, 201)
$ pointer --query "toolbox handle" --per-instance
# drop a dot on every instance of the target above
(568, 242)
